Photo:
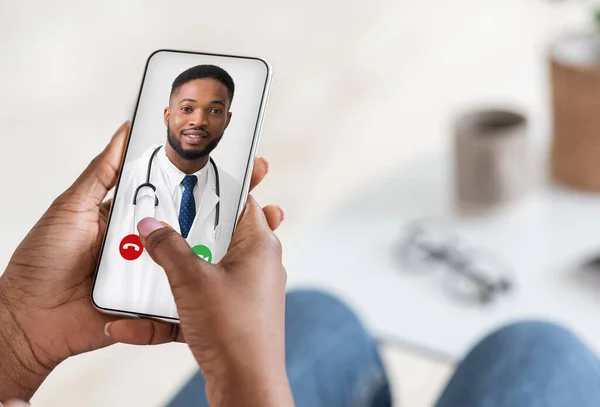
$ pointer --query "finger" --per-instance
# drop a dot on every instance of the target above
(259, 171)
(15, 403)
(143, 332)
(253, 216)
(102, 173)
(105, 207)
(274, 215)
(253, 225)
(253, 237)
(170, 251)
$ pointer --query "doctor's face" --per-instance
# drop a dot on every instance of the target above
(196, 118)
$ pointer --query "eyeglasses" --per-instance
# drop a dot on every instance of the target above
(471, 275)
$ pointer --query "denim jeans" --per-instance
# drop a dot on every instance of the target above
(332, 361)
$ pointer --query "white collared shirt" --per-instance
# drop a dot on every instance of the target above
(174, 176)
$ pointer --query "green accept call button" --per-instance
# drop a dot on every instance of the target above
(203, 252)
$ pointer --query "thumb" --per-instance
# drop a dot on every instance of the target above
(170, 251)
(15, 403)
(101, 174)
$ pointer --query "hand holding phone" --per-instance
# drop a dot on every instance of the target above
(45, 309)
(47, 316)
(232, 313)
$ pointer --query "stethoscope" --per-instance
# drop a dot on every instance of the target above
(148, 184)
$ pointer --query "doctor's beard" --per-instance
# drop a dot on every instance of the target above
(190, 155)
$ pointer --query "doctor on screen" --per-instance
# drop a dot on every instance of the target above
(176, 182)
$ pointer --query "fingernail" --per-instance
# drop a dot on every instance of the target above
(106, 329)
(267, 164)
(15, 403)
(121, 129)
(148, 225)
(282, 212)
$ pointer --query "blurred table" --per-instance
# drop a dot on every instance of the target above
(546, 239)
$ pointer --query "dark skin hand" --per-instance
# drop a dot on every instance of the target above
(45, 307)
(231, 313)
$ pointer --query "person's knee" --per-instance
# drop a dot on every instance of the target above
(317, 305)
(516, 361)
(530, 334)
(318, 320)
(313, 296)
(532, 330)
(327, 344)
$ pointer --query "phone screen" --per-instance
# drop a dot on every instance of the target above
(187, 163)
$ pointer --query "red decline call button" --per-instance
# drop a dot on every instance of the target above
(131, 247)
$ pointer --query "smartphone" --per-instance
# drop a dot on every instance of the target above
(188, 162)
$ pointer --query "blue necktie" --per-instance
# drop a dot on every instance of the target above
(187, 210)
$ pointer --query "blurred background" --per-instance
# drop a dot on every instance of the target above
(476, 115)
